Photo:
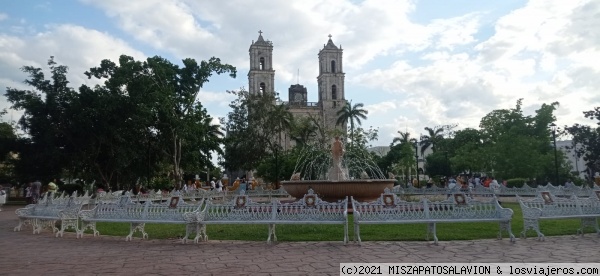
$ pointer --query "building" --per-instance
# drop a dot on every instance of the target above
(577, 163)
(330, 81)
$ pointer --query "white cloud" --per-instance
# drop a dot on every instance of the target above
(380, 108)
(3, 16)
(74, 46)
(534, 54)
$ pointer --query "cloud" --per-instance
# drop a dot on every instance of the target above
(74, 46)
(3, 16)
(543, 52)
(380, 108)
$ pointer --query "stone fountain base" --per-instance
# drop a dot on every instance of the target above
(328, 190)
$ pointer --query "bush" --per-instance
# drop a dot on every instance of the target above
(516, 182)
(70, 188)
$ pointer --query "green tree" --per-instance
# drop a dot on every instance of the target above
(431, 139)
(588, 140)
(519, 146)
(403, 147)
(351, 113)
(45, 120)
(170, 93)
(254, 128)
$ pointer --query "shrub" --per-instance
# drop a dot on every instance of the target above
(516, 182)
(70, 188)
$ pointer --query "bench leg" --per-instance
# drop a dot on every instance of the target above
(588, 222)
(198, 236)
(88, 225)
(190, 227)
(505, 226)
(346, 238)
(22, 222)
(66, 224)
(357, 233)
(202, 232)
(431, 229)
(272, 234)
(134, 227)
(532, 224)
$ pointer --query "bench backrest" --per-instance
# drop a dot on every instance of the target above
(241, 207)
(53, 209)
(312, 208)
(457, 206)
(552, 206)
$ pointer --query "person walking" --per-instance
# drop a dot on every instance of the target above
(2, 197)
(36, 188)
(52, 189)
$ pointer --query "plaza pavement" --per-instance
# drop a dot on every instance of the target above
(22, 253)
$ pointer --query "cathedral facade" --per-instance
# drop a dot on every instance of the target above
(330, 83)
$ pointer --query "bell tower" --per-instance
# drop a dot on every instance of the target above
(261, 76)
(331, 83)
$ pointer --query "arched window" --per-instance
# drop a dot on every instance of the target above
(261, 63)
(333, 66)
(334, 92)
(262, 88)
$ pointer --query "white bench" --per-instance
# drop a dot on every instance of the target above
(174, 211)
(548, 206)
(242, 210)
(458, 208)
(47, 213)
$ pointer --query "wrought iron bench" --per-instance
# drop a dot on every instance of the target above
(389, 209)
(174, 211)
(547, 206)
(242, 210)
(48, 213)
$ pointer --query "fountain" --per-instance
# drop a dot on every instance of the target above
(337, 181)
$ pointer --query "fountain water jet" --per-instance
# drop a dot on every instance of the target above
(338, 183)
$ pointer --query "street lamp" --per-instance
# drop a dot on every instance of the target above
(417, 157)
(553, 127)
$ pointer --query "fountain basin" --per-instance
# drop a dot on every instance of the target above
(332, 190)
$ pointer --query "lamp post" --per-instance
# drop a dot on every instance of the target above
(553, 127)
(417, 158)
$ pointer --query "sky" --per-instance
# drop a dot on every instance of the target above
(412, 63)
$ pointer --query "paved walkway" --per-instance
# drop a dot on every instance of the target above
(22, 253)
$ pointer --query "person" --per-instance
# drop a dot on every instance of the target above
(52, 189)
(451, 183)
(569, 184)
(212, 184)
(219, 186)
(494, 184)
(243, 184)
(36, 188)
(28, 193)
(2, 197)
(430, 183)
(415, 183)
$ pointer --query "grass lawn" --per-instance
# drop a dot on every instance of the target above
(382, 232)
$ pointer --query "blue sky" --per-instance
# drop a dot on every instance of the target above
(414, 64)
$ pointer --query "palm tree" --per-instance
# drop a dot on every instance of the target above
(351, 114)
(303, 130)
(406, 145)
(280, 120)
(404, 138)
(433, 137)
(211, 139)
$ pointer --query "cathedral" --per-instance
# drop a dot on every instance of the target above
(331, 96)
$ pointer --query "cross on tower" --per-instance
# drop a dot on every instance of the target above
(260, 32)
(329, 36)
